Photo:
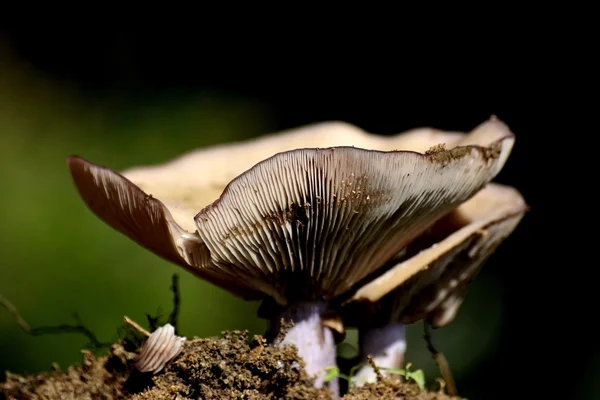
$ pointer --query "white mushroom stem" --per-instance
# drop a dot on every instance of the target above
(315, 342)
(386, 345)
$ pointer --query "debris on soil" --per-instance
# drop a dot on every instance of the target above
(393, 389)
(108, 377)
(228, 367)
(234, 368)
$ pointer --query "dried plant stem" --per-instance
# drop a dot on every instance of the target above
(440, 361)
(375, 368)
(154, 322)
(136, 326)
(176, 301)
(47, 330)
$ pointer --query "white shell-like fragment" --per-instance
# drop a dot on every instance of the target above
(160, 348)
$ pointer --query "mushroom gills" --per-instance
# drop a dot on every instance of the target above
(311, 223)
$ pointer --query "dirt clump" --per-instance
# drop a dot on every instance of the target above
(228, 367)
(108, 377)
(231, 366)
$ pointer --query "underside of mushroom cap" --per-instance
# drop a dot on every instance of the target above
(144, 219)
(310, 223)
(431, 278)
(301, 224)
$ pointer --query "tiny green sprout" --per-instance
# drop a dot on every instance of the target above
(418, 376)
(334, 372)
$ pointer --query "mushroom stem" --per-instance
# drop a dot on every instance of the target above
(386, 345)
(315, 342)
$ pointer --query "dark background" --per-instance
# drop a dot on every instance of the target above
(145, 97)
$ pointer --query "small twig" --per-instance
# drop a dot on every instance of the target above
(375, 368)
(153, 322)
(440, 360)
(442, 384)
(176, 301)
(15, 313)
(46, 330)
(136, 326)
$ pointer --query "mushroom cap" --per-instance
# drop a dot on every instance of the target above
(432, 279)
(298, 215)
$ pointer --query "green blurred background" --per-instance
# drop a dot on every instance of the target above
(57, 258)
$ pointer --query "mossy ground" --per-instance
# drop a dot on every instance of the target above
(232, 366)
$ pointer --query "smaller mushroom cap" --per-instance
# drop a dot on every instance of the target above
(432, 279)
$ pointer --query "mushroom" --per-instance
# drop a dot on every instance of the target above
(296, 219)
(430, 278)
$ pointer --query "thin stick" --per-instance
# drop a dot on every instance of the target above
(46, 330)
(136, 326)
(440, 360)
(377, 371)
(176, 301)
